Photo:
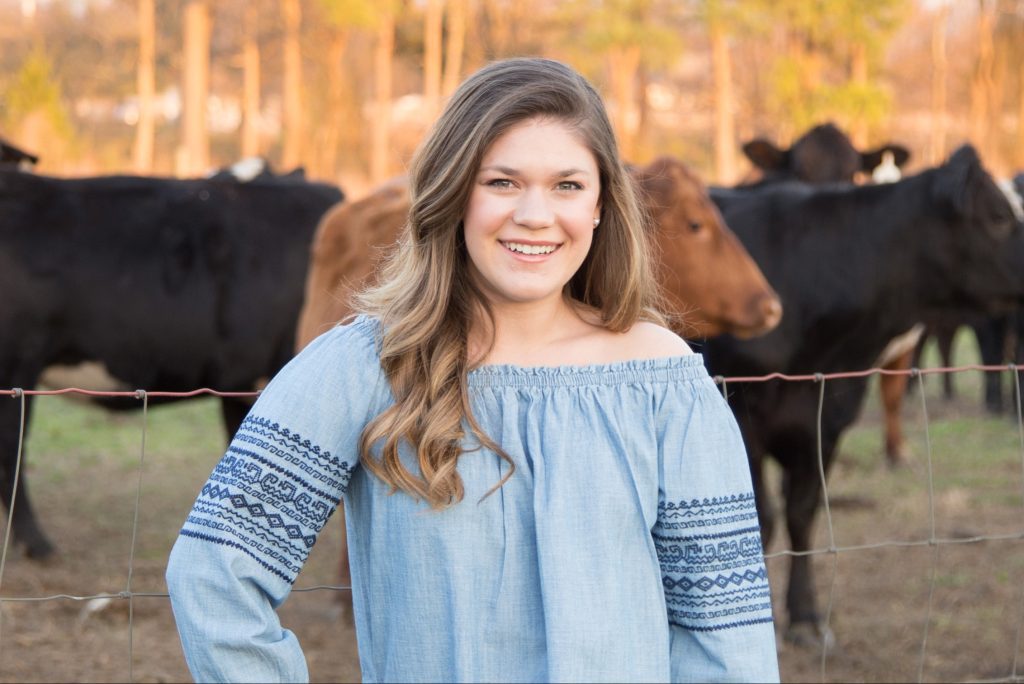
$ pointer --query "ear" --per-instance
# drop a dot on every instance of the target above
(656, 185)
(952, 183)
(765, 155)
(869, 160)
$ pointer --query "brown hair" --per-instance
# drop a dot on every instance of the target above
(426, 299)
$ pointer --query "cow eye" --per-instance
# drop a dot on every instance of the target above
(695, 226)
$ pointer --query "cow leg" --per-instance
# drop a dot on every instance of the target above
(944, 342)
(24, 526)
(892, 388)
(765, 508)
(234, 410)
(802, 490)
(991, 334)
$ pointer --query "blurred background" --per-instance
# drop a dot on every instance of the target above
(346, 88)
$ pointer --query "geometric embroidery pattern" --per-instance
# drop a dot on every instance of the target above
(712, 564)
(269, 496)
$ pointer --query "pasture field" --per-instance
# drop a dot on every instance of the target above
(83, 465)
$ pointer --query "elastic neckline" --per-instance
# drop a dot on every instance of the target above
(661, 369)
(634, 371)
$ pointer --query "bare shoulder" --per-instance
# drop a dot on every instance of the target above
(647, 340)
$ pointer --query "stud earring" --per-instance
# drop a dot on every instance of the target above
(596, 221)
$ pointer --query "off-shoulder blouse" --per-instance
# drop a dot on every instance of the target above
(625, 547)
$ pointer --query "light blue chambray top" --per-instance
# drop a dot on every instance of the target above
(625, 547)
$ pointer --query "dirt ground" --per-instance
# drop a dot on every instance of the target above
(85, 488)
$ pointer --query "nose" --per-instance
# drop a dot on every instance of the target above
(533, 210)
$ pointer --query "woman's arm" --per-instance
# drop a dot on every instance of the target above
(709, 544)
(259, 513)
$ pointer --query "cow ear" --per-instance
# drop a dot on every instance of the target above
(656, 184)
(952, 185)
(765, 155)
(870, 160)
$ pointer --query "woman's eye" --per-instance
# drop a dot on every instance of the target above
(570, 185)
(500, 183)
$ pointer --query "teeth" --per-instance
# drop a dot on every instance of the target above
(530, 249)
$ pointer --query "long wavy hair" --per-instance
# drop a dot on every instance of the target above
(426, 299)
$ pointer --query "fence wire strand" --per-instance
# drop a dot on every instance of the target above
(141, 394)
(1020, 434)
(934, 564)
(826, 629)
(833, 550)
(18, 394)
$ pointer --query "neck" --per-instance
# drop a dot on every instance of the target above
(523, 332)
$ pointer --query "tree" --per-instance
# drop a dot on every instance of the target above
(457, 20)
(291, 12)
(145, 129)
(432, 33)
(34, 108)
(718, 16)
(194, 155)
(380, 126)
(627, 36)
(251, 82)
(828, 51)
(937, 124)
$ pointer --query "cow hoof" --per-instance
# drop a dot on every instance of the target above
(39, 550)
(811, 636)
(899, 458)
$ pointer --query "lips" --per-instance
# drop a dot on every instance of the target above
(530, 249)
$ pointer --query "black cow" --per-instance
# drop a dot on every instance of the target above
(821, 155)
(13, 158)
(169, 284)
(824, 154)
(1001, 337)
(854, 267)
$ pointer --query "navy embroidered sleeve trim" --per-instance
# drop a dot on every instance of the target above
(269, 496)
(712, 564)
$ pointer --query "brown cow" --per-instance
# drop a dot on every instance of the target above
(711, 284)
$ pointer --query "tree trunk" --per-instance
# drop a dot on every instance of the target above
(623, 63)
(859, 75)
(937, 137)
(291, 156)
(194, 155)
(725, 116)
(335, 102)
(981, 88)
(251, 83)
(381, 124)
(432, 31)
(455, 46)
(145, 130)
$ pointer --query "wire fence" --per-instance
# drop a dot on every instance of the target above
(832, 550)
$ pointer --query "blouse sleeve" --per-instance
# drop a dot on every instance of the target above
(709, 543)
(259, 513)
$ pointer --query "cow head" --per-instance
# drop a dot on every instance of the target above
(823, 154)
(350, 242)
(13, 158)
(979, 250)
(706, 274)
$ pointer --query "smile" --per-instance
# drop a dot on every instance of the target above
(522, 248)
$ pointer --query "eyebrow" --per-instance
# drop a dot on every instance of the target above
(509, 171)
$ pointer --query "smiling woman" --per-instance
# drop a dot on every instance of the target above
(541, 481)
(532, 213)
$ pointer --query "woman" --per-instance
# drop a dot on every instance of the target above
(541, 482)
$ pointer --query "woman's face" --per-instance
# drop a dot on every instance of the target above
(530, 218)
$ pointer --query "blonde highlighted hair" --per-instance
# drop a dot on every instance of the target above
(426, 299)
